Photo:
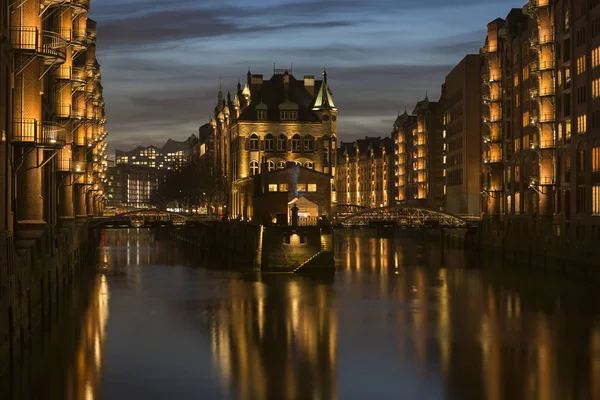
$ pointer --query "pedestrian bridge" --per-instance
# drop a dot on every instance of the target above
(400, 215)
(141, 218)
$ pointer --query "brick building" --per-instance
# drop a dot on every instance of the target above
(365, 172)
(420, 157)
(274, 122)
(463, 123)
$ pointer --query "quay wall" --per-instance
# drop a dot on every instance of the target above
(266, 248)
(36, 278)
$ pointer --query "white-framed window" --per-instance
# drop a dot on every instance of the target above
(270, 166)
(254, 142)
(253, 168)
(282, 143)
(309, 165)
(296, 143)
(269, 143)
(280, 165)
(309, 143)
(261, 115)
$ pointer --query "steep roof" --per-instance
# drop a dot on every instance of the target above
(281, 89)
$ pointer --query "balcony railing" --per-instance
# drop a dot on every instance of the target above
(488, 159)
(541, 39)
(63, 110)
(76, 167)
(63, 73)
(78, 78)
(543, 92)
(46, 44)
(541, 180)
(80, 6)
(41, 134)
(79, 39)
(51, 3)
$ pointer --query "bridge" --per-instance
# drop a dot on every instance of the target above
(142, 218)
(399, 215)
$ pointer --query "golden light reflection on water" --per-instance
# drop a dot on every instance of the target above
(279, 345)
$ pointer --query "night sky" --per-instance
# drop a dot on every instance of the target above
(161, 59)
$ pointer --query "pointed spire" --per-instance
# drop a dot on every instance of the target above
(324, 100)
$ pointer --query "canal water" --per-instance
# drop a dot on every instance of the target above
(399, 320)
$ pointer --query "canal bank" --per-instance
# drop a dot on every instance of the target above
(41, 273)
(276, 249)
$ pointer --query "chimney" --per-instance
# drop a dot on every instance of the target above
(309, 84)
(286, 85)
(256, 83)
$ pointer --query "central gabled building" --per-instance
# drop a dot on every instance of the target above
(274, 122)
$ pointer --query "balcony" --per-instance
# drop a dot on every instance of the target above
(50, 3)
(492, 120)
(489, 139)
(485, 50)
(543, 144)
(79, 40)
(541, 181)
(79, 6)
(542, 119)
(49, 46)
(63, 111)
(78, 78)
(542, 39)
(490, 159)
(67, 165)
(63, 73)
(543, 92)
(39, 134)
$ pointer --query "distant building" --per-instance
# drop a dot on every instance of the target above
(172, 155)
(133, 186)
(420, 156)
(365, 172)
(463, 123)
(270, 123)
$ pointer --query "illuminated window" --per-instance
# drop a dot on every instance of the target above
(581, 124)
(526, 118)
(525, 72)
(596, 57)
(283, 187)
(296, 143)
(596, 88)
(272, 187)
(596, 159)
(517, 100)
(517, 203)
(568, 130)
(581, 65)
(302, 187)
(567, 75)
(516, 79)
(253, 168)
(596, 200)
(282, 143)
(312, 187)
(269, 142)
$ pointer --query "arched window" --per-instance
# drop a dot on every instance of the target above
(270, 165)
(309, 143)
(254, 142)
(309, 165)
(280, 164)
(296, 143)
(253, 168)
(282, 143)
(269, 143)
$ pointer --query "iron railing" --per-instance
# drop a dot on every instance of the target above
(47, 44)
(43, 134)
(78, 77)
(76, 167)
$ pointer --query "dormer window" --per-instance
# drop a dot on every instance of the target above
(288, 111)
(261, 111)
(289, 115)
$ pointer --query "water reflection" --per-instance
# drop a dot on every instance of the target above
(275, 338)
(401, 319)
